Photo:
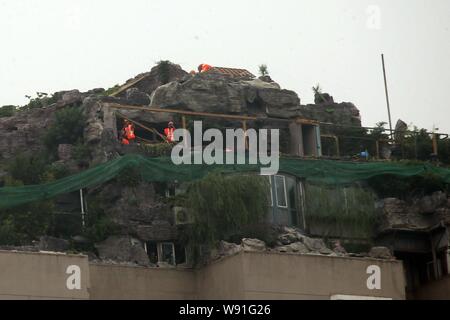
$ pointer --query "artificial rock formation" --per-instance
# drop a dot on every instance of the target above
(138, 211)
(221, 94)
(24, 132)
(123, 249)
(419, 214)
(140, 214)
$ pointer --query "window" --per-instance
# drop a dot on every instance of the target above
(180, 254)
(280, 186)
(152, 251)
(271, 192)
(285, 208)
(166, 253)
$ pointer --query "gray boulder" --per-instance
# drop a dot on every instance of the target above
(228, 249)
(380, 253)
(429, 204)
(123, 249)
(159, 230)
(221, 94)
(297, 247)
(148, 82)
(314, 244)
(73, 96)
(47, 243)
(326, 251)
(253, 245)
(344, 113)
(287, 238)
(136, 97)
(24, 132)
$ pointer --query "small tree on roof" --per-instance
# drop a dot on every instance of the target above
(319, 96)
(263, 71)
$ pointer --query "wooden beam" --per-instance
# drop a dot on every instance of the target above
(176, 111)
(307, 121)
(126, 86)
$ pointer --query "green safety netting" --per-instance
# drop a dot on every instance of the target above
(162, 169)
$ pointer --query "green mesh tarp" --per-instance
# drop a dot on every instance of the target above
(162, 169)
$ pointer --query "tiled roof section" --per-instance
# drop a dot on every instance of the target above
(236, 73)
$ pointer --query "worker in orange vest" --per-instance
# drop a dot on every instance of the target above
(169, 131)
(204, 67)
(127, 132)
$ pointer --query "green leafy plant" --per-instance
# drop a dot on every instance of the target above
(406, 188)
(340, 211)
(41, 101)
(7, 111)
(263, 71)
(157, 149)
(81, 152)
(57, 171)
(222, 207)
(99, 225)
(27, 168)
(68, 128)
(130, 177)
(111, 90)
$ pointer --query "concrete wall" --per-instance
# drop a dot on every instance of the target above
(122, 282)
(282, 276)
(222, 279)
(42, 276)
(248, 275)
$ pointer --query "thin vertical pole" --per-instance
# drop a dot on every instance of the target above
(183, 123)
(435, 144)
(338, 151)
(244, 127)
(83, 222)
(387, 94)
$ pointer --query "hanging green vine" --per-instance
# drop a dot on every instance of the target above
(341, 211)
(222, 207)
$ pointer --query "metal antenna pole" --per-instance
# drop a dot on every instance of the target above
(387, 94)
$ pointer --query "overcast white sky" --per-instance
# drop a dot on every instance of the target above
(53, 45)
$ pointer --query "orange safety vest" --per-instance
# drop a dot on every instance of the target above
(169, 133)
(205, 67)
(125, 141)
(129, 132)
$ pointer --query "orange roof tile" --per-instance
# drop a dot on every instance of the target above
(236, 73)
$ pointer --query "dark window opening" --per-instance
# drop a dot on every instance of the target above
(420, 269)
(152, 251)
(180, 254)
(166, 253)
(309, 140)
